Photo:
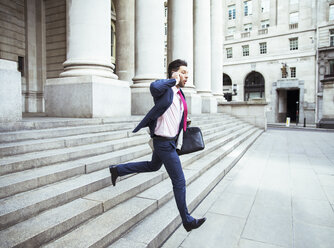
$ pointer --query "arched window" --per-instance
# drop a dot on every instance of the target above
(227, 87)
(254, 86)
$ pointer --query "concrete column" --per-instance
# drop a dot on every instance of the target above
(149, 52)
(35, 58)
(202, 55)
(217, 49)
(125, 42)
(88, 39)
(180, 45)
(88, 87)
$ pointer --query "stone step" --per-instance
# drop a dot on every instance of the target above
(29, 179)
(35, 123)
(22, 162)
(98, 134)
(54, 122)
(63, 218)
(104, 229)
(157, 227)
(160, 193)
(55, 132)
(14, 148)
(37, 134)
(34, 201)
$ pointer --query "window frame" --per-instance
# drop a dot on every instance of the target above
(293, 43)
(331, 37)
(245, 50)
(263, 47)
(231, 12)
(293, 72)
(248, 27)
(231, 30)
(293, 17)
(229, 52)
(265, 24)
(248, 8)
(331, 66)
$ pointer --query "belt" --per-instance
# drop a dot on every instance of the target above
(157, 137)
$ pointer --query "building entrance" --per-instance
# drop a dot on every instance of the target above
(293, 105)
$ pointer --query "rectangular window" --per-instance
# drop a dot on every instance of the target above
(331, 37)
(166, 29)
(230, 30)
(263, 48)
(294, 17)
(331, 12)
(231, 12)
(265, 6)
(248, 27)
(20, 65)
(248, 8)
(265, 24)
(294, 44)
(331, 66)
(245, 50)
(229, 52)
(293, 72)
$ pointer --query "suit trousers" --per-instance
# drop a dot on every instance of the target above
(164, 153)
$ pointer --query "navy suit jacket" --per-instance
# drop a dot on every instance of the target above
(163, 95)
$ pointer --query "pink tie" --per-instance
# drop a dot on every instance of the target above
(185, 110)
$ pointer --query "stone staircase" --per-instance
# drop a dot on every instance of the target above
(55, 188)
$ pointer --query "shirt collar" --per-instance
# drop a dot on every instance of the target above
(175, 89)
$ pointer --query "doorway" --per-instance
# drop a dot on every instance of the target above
(293, 105)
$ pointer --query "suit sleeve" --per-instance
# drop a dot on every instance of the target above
(159, 87)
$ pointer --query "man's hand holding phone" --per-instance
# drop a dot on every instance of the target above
(176, 76)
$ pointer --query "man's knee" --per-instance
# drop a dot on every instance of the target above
(154, 166)
(179, 183)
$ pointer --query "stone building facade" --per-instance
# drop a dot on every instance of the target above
(63, 57)
(271, 52)
(86, 58)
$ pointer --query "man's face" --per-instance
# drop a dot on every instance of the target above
(183, 70)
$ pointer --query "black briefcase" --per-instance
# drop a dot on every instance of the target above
(192, 141)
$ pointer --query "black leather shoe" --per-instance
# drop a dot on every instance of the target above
(114, 174)
(196, 223)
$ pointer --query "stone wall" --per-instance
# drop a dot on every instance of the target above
(12, 29)
(55, 18)
(253, 112)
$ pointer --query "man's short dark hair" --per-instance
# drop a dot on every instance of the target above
(175, 65)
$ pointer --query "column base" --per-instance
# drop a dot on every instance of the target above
(141, 99)
(33, 102)
(10, 92)
(194, 103)
(87, 97)
(209, 104)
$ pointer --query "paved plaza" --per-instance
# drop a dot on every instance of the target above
(280, 194)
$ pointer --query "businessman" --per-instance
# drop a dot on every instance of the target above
(166, 120)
